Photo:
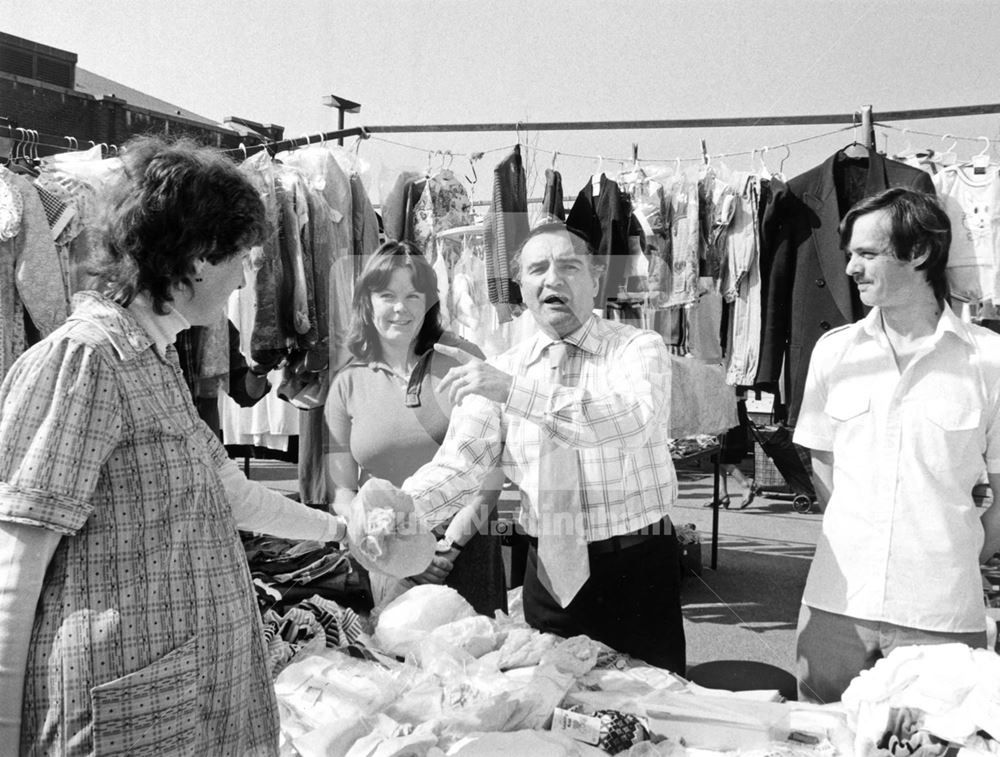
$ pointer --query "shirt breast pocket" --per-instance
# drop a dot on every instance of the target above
(944, 434)
(850, 417)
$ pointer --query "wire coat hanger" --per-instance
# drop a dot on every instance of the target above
(763, 166)
(21, 135)
(855, 149)
(472, 166)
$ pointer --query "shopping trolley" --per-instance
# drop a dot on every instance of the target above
(781, 468)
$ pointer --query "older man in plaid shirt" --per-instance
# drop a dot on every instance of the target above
(610, 411)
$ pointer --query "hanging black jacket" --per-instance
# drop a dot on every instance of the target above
(808, 291)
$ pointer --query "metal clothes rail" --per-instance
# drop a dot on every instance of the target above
(694, 123)
(674, 123)
(862, 117)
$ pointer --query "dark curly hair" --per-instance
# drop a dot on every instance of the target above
(362, 338)
(173, 203)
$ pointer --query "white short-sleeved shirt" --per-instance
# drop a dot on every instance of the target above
(901, 534)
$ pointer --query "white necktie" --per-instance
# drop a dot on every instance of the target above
(564, 564)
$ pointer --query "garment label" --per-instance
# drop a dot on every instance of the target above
(581, 727)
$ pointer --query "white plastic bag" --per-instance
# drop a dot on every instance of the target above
(410, 617)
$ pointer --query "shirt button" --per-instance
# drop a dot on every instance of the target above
(820, 283)
(825, 325)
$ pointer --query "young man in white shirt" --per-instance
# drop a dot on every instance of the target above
(901, 413)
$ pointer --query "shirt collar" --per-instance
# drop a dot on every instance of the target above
(162, 329)
(584, 338)
(948, 323)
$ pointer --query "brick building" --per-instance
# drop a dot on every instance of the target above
(43, 89)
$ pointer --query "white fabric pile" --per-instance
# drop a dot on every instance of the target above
(468, 685)
(955, 690)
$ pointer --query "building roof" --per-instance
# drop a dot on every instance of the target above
(99, 86)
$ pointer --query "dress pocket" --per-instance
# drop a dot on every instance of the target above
(153, 711)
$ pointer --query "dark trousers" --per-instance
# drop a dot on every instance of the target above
(631, 602)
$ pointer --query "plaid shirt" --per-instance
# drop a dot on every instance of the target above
(614, 411)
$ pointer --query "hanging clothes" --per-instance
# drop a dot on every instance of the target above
(704, 323)
(652, 210)
(31, 279)
(394, 206)
(717, 204)
(452, 210)
(972, 202)
(271, 422)
(553, 205)
(420, 216)
(364, 225)
(740, 284)
(506, 227)
(607, 222)
(332, 211)
(808, 291)
(685, 245)
(295, 285)
(267, 340)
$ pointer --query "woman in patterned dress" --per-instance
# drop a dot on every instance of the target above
(128, 623)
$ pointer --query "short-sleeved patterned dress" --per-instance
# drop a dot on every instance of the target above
(146, 639)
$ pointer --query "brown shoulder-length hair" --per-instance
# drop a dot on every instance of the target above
(362, 337)
(173, 202)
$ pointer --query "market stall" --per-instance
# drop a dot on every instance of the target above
(434, 678)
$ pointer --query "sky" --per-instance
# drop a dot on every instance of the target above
(452, 61)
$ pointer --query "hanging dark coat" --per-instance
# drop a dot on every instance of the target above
(808, 291)
(607, 221)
